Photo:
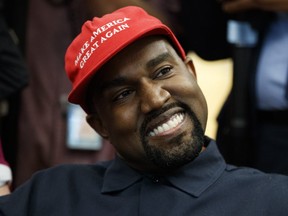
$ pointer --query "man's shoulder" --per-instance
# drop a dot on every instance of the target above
(97, 169)
(60, 176)
(256, 181)
(62, 185)
(252, 174)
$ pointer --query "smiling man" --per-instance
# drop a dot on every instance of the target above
(140, 92)
(144, 101)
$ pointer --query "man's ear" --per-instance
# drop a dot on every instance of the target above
(190, 65)
(96, 123)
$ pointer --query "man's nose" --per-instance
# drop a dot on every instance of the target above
(153, 96)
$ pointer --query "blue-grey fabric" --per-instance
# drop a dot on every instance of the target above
(272, 71)
(206, 186)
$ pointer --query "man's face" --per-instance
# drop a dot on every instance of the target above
(150, 107)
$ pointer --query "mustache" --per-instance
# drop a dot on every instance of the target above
(154, 113)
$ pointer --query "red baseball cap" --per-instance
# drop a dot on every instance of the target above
(102, 38)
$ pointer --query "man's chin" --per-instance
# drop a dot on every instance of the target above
(174, 157)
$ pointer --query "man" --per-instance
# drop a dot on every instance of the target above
(131, 76)
(13, 78)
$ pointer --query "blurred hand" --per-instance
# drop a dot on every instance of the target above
(4, 190)
(235, 6)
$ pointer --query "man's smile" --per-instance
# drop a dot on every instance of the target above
(168, 126)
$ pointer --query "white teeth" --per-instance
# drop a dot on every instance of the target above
(170, 124)
(166, 127)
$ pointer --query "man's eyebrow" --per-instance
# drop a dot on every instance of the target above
(120, 80)
(159, 59)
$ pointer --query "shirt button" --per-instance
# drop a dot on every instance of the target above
(155, 180)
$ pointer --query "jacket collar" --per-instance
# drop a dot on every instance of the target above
(193, 178)
(119, 176)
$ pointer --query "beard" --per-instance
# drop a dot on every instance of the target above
(184, 150)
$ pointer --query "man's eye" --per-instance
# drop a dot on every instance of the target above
(163, 71)
(122, 95)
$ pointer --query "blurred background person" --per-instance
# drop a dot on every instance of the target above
(13, 78)
(263, 80)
